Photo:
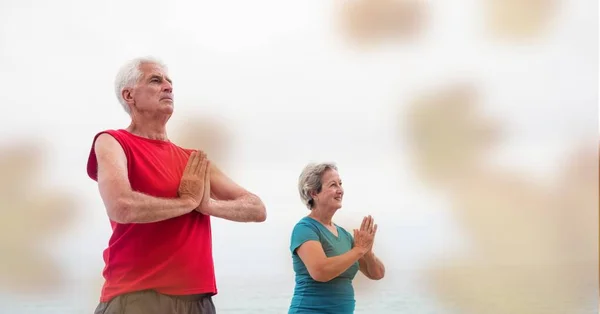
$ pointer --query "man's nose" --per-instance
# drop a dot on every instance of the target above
(167, 87)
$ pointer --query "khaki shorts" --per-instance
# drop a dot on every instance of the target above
(152, 302)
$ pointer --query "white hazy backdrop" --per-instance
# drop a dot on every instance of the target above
(468, 129)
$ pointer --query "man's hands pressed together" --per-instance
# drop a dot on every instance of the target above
(195, 181)
(231, 201)
(204, 206)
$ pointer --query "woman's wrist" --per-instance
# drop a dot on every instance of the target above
(362, 251)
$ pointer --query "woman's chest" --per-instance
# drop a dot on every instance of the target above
(334, 246)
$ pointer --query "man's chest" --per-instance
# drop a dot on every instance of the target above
(157, 173)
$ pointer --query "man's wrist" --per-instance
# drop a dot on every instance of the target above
(206, 207)
(189, 202)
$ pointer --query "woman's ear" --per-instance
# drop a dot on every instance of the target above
(314, 196)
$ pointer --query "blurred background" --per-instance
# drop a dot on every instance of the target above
(468, 129)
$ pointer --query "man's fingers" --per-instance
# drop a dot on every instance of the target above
(188, 166)
(364, 224)
(199, 169)
(207, 176)
(202, 168)
(196, 162)
(371, 221)
(374, 229)
(207, 169)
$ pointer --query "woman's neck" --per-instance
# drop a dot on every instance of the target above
(322, 216)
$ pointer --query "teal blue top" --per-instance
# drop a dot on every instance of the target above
(335, 296)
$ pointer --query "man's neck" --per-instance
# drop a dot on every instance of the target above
(151, 129)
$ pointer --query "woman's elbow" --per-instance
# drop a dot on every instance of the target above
(377, 275)
(319, 276)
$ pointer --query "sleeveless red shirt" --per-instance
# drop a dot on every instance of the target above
(172, 256)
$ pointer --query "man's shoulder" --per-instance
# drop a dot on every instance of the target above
(104, 145)
(184, 149)
(116, 134)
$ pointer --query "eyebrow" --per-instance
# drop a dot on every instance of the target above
(153, 76)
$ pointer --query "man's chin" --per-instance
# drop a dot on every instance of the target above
(168, 107)
(167, 103)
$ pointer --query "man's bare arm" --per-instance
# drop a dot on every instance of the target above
(247, 208)
(124, 205)
(232, 202)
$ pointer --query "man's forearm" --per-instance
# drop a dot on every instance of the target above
(141, 208)
(248, 208)
(374, 266)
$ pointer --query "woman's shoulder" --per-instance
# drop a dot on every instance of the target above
(307, 223)
(304, 229)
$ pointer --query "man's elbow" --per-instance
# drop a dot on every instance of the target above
(262, 214)
(121, 211)
(261, 210)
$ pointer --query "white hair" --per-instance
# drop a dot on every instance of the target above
(310, 181)
(129, 74)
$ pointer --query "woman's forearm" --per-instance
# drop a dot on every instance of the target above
(373, 267)
(332, 267)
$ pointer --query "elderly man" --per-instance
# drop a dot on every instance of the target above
(159, 198)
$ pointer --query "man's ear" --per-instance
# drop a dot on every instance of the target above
(127, 94)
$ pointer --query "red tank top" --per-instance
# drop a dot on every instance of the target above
(173, 256)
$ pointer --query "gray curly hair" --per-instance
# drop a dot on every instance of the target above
(310, 181)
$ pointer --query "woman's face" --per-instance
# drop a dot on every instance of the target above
(332, 192)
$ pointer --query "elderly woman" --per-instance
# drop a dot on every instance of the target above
(325, 256)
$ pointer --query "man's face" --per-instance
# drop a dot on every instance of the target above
(153, 93)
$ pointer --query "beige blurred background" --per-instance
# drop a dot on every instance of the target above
(468, 129)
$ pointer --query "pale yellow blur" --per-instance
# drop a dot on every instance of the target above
(31, 216)
(532, 244)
